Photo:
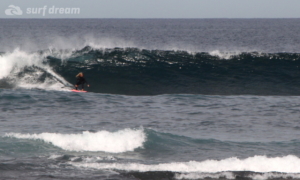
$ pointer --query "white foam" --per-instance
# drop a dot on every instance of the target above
(12, 63)
(223, 55)
(230, 175)
(88, 159)
(273, 175)
(286, 164)
(54, 156)
(227, 175)
(113, 142)
(16, 60)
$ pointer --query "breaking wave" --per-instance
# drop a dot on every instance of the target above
(136, 71)
(257, 167)
(112, 142)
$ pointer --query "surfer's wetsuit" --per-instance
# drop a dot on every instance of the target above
(80, 80)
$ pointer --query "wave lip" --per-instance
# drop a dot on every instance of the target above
(112, 142)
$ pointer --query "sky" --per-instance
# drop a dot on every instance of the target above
(150, 9)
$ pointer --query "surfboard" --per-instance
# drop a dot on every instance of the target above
(74, 90)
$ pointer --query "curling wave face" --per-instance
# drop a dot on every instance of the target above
(149, 72)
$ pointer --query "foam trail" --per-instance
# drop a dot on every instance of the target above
(113, 142)
(286, 164)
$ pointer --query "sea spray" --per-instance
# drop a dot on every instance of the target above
(21, 69)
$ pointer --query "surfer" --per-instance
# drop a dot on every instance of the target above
(80, 80)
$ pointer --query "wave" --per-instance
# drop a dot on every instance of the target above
(136, 71)
(142, 141)
(112, 142)
(257, 167)
(287, 164)
(160, 144)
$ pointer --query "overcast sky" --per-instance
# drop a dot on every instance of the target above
(150, 9)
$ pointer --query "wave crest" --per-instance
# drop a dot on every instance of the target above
(112, 142)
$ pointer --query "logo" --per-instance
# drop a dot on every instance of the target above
(52, 11)
(13, 10)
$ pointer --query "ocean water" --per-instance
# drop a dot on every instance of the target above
(169, 99)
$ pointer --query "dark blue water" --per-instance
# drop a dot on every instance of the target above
(169, 99)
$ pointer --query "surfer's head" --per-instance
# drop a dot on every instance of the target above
(80, 74)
